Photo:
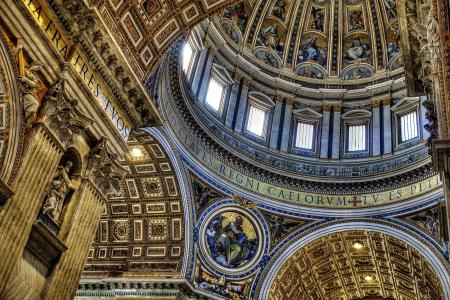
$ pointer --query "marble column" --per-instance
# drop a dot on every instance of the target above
(198, 71)
(387, 129)
(376, 128)
(240, 117)
(287, 122)
(232, 101)
(336, 139)
(39, 163)
(203, 88)
(62, 283)
(324, 138)
(275, 128)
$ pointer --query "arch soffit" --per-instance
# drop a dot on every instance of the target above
(437, 262)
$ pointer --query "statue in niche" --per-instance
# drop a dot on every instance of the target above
(30, 86)
(58, 192)
(432, 125)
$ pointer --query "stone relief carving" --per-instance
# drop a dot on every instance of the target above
(105, 170)
(61, 114)
(432, 125)
(30, 86)
(57, 194)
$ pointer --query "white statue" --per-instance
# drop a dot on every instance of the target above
(30, 86)
(60, 187)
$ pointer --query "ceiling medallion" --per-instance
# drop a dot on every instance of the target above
(231, 240)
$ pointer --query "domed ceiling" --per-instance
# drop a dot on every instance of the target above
(350, 39)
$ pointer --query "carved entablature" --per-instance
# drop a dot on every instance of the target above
(61, 114)
(104, 169)
(88, 32)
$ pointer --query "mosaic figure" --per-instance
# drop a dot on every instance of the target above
(237, 15)
(269, 37)
(231, 240)
(356, 21)
(317, 19)
(357, 49)
(279, 9)
(230, 30)
(358, 73)
(393, 41)
(203, 194)
(268, 58)
(429, 220)
(310, 71)
(311, 51)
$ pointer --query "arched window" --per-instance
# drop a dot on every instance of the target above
(305, 130)
(406, 120)
(258, 115)
(256, 120)
(357, 137)
(304, 137)
(408, 126)
(215, 94)
(187, 58)
(356, 132)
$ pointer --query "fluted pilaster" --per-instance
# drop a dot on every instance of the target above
(39, 163)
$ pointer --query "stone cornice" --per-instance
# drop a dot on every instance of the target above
(108, 60)
(110, 287)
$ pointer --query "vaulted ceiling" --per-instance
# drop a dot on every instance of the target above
(141, 230)
(356, 265)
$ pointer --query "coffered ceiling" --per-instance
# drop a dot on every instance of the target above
(356, 265)
(141, 230)
(144, 29)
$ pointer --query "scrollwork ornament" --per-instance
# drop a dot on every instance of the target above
(61, 114)
(104, 168)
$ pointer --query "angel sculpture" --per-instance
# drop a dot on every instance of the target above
(30, 86)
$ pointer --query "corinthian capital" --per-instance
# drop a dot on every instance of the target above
(61, 114)
(104, 168)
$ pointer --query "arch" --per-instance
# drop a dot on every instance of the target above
(436, 262)
(142, 227)
(73, 155)
(186, 194)
(11, 129)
